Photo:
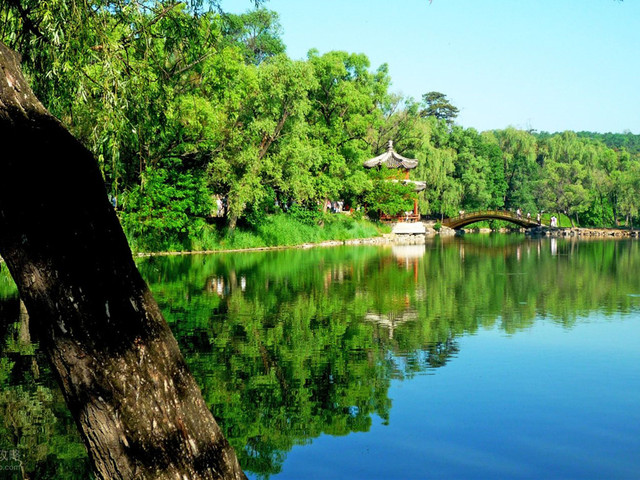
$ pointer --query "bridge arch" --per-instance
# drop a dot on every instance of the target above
(468, 218)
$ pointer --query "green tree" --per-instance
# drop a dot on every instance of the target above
(436, 104)
(496, 183)
(629, 194)
(272, 105)
(566, 175)
(443, 192)
(169, 210)
(388, 195)
(345, 109)
(472, 170)
(257, 32)
(519, 153)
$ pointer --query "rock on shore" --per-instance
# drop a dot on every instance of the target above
(583, 232)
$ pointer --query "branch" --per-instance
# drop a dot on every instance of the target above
(26, 21)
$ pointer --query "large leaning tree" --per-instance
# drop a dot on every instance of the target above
(138, 408)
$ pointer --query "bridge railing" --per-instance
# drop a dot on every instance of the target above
(403, 217)
(497, 214)
(483, 213)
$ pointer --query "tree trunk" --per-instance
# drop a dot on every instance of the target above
(24, 337)
(233, 221)
(137, 407)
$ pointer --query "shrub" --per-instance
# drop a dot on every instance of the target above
(167, 211)
(388, 195)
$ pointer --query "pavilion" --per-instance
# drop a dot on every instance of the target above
(393, 160)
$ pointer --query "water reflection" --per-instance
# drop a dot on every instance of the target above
(391, 321)
(312, 342)
(36, 429)
(290, 345)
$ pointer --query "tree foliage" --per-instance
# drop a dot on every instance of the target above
(180, 91)
(437, 105)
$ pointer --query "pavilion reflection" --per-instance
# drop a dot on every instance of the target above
(392, 320)
(408, 257)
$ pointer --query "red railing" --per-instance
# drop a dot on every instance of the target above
(404, 217)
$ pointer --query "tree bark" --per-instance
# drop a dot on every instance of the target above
(24, 337)
(137, 407)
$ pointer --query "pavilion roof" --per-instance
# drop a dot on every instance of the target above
(417, 186)
(391, 159)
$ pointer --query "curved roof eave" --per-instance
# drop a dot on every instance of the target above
(391, 159)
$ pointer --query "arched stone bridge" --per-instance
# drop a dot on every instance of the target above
(472, 217)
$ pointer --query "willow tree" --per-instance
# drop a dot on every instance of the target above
(519, 150)
(138, 409)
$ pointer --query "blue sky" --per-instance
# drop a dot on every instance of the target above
(550, 65)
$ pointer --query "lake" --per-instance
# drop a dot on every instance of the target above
(484, 356)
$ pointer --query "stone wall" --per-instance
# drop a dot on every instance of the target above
(584, 232)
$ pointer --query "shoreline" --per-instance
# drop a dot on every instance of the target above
(417, 239)
(382, 240)
(546, 231)
(583, 232)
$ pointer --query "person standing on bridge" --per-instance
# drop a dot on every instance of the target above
(529, 216)
(538, 218)
(519, 213)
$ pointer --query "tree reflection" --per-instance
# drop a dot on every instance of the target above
(34, 420)
(290, 345)
(309, 342)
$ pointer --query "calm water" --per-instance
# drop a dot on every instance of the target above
(482, 357)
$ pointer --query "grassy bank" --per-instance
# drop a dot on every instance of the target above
(8, 287)
(273, 230)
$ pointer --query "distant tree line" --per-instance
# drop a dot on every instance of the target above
(184, 106)
(618, 141)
